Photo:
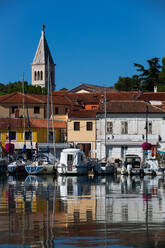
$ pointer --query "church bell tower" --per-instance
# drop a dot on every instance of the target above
(43, 66)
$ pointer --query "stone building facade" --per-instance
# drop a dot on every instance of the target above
(123, 131)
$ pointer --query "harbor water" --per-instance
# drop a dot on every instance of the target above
(83, 211)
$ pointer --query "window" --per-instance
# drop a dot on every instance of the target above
(76, 126)
(123, 151)
(13, 108)
(50, 136)
(89, 126)
(35, 76)
(56, 111)
(41, 75)
(12, 135)
(66, 110)
(27, 135)
(124, 127)
(38, 77)
(109, 127)
(36, 110)
(150, 128)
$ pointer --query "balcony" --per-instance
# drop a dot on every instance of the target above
(131, 139)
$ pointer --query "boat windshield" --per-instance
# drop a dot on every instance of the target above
(134, 161)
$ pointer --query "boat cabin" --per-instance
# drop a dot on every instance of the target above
(72, 157)
(133, 159)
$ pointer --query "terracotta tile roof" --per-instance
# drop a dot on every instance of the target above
(82, 114)
(38, 123)
(5, 123)
(96, 98)
(61, 100)
(122, 95)
(17, 97)
(149, 96)
(34, 123)
(83, 98)
(129, 107)
(59, 92)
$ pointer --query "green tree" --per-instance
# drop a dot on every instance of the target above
(64, 89)
(18, 87)
(150, 76)
(162, 73)
(127, 83)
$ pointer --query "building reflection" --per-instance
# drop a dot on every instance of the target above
(78, 197)
(41, 210)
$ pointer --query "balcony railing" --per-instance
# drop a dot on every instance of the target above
(129, 138)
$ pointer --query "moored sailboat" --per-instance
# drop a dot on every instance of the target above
(42, 163)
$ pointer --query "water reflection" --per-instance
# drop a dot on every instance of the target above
(82, 211)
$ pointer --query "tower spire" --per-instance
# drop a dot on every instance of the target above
(39, 65)
(43, 28)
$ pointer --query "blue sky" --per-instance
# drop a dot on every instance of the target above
(91, 41)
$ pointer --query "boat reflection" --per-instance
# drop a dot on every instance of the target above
(45, 211)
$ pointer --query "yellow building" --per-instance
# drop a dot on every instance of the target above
(81, 130)
(17, 131)
(15, 107)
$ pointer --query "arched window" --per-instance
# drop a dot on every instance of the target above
(35, 76)
(41, 75)
(38, 77)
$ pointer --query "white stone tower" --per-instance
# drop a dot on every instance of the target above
(43, 67)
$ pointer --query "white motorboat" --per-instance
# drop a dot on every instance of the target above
(103, 168)
(132, 165)
(72, 161)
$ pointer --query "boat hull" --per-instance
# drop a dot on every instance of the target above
(16, 169)
(40, 169)
(108, 170)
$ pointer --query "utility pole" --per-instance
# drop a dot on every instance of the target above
(146, 123)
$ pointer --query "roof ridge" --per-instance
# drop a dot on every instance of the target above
(8, 95)
(34, 98)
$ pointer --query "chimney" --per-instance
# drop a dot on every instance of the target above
(16, 112)
(155, 89)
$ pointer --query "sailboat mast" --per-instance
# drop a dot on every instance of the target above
(48, 94)
(23, 102)
(52, 112)
(105, 116)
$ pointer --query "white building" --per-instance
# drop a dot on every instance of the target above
(43, 67)
(121, 128)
